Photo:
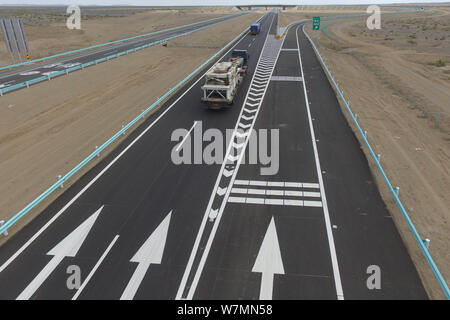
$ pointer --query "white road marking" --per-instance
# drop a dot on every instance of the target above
(68, 247)
(337, 276)
(286, 78)
(239, 190)
(275, 201)
(221, 191)
(275, 192)
(275, 184)
(268, 262)
(293, 184)
(151, 252)
(94, 269)
(254, 200)
(256, 191)
(311, 185)
(293, 193)
(236, 199)
(258, 183)
(56, 216)
(185, 137)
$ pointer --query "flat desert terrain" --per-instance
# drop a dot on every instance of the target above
(397, 80)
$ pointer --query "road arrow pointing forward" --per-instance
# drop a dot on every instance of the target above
(150, 252)
(268, 262)
(68, 247)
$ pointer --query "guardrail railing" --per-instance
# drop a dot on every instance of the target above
(5, 225)
(111, 42)
(394, 191)
(97, 61)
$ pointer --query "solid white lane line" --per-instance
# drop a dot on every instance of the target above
(94, 269)
(334, 261)
(185, 137)
(56, 216)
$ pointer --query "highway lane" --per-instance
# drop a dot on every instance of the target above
(321, 221)
(30, 72)
(136, 194)
(312, 230)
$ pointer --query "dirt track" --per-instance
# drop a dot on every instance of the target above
(49, 128)
(414, 153)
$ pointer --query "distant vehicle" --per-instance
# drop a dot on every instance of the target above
(255, 28)
(224, 78)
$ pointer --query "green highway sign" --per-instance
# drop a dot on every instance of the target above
(316, 23)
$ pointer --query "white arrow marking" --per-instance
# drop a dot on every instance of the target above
(238, 145)
(150, 252)
(221, 191)
(259, 86)
(213, 214)
(268, 262)
(250, 111)
(233, 158)
(68, 247)
(257, 90)
(247, 118)
(258, 82)
(252, 104)
(227, 173)
(244, 126)
(241, 135)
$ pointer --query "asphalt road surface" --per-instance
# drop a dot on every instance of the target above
(138, 226)
(30, 72)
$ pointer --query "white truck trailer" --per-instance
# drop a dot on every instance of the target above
(224, 78)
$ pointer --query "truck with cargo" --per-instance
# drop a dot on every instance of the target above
(255, 28)
(224, 78)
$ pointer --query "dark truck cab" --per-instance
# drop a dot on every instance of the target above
(255, 28)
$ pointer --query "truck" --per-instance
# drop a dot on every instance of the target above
(255, 28)
(224, 78)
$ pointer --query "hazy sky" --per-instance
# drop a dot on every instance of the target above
(203, 2)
